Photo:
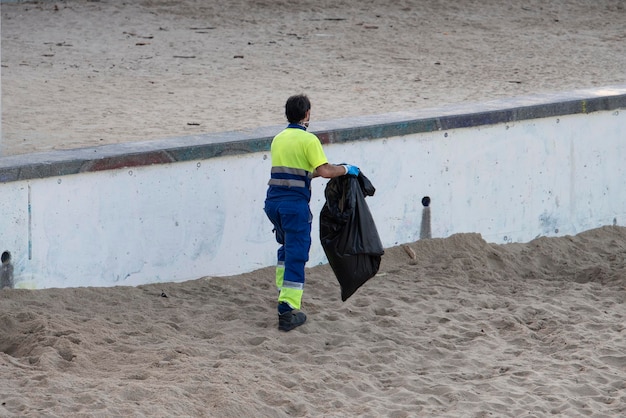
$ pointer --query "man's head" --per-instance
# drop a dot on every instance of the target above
(297, 108)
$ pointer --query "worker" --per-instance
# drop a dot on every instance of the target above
(297, 157)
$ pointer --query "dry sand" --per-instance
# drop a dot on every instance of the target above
(86, 73)
(466, 329)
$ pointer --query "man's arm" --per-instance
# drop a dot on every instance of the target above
(329, 171)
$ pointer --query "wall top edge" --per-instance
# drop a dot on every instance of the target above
(198, 147)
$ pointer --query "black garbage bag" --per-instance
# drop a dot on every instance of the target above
(348, 233)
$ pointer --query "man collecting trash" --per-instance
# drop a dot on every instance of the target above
(297, 157)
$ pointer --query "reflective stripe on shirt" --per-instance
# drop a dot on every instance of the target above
(290, 170)
(290, 177)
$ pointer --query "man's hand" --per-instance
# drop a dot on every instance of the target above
(351, 169)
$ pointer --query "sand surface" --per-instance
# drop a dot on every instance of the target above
(464, 329)
(86, 73)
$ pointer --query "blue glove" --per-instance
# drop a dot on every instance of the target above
(351, 169)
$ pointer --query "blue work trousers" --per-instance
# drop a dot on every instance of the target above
(292, 226)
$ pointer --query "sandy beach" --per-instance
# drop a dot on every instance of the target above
(449, 327)
(87, 73)
(464, 329)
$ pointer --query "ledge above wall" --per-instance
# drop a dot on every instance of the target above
(199, 147)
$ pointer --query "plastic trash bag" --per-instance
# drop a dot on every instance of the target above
(348, 233)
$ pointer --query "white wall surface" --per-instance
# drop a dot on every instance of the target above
(174, 222)
(509, 182)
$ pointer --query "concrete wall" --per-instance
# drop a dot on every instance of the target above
(182, 208)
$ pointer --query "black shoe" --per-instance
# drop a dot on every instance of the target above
(290, 320)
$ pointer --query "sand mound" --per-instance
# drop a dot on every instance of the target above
(466, 328)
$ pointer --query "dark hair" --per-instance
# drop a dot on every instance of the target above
(296, 108)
